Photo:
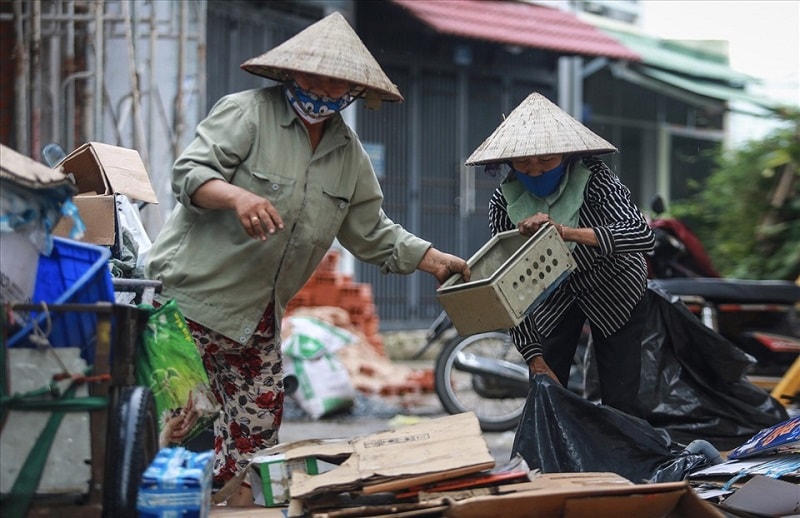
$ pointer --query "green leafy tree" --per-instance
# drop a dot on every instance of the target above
(747, 214)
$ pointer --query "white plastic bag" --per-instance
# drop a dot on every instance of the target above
(309, 356)
(131, 220)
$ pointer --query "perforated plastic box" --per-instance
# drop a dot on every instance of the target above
(511, 274)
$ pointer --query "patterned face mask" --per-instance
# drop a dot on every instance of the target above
(312, 107)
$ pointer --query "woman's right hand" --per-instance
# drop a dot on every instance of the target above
(257, 215)
(538, 366)
(530, 225)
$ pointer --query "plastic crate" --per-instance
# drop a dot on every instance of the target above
(511, 274)
(74, 272)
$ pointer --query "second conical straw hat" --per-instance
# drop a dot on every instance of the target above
(538, 127)
(329, 47)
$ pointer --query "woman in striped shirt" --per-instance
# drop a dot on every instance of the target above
(555, 178)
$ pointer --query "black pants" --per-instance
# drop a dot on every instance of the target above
(619, 356)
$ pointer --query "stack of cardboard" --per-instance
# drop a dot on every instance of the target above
(387, 461)
(442, 467)
(760, 478)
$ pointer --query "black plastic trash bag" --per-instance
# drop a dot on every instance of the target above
(560, 432)
(694, 380)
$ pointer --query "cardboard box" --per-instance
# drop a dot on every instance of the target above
(177, 483)
(577, 495)
(101, 172)
(275, 472)
(510, 274)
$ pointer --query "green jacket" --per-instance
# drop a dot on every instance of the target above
(222, 278)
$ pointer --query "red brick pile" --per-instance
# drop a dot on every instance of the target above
(334, 298)
(329, 287)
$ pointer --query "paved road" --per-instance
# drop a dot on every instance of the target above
(370, 414)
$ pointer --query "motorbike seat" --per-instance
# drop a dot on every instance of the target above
(732, 291)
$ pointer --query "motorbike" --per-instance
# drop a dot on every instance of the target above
(760, 317)
(485, 374)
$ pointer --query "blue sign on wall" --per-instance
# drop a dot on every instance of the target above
(377, 155)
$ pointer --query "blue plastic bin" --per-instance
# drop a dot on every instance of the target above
(74, 272)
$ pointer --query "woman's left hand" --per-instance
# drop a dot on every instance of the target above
(538, 366)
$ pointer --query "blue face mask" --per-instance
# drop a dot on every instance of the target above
(546, 183)
(312, 107)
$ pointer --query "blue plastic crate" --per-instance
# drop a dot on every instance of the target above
(74, 272)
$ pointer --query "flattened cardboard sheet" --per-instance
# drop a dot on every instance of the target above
(432, 450)
(25, 171)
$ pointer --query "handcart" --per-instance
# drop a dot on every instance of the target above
(121, 416)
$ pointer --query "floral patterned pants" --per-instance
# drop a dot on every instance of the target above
(247, 381)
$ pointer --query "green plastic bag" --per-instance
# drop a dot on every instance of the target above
(170, 365)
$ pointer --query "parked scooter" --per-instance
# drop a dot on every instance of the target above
(678, 252)
(759, 317)
(484, 373)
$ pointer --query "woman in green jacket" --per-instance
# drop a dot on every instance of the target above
(272, 177)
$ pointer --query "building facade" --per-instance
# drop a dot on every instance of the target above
(142, 74)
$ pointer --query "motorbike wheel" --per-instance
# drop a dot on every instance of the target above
(485, 374)
(132, 445)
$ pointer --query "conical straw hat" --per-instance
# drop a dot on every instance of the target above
(329, 47)
(538, 127)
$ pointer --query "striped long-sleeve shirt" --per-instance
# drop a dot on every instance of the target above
(609, 279)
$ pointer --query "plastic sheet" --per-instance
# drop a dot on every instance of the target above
(694, 385)
(560, 432)
(694, 380)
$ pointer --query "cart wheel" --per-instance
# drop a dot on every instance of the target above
(132, 445)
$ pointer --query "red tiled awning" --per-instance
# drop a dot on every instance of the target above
(517, 23)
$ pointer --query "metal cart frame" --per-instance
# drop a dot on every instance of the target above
(118, 330)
